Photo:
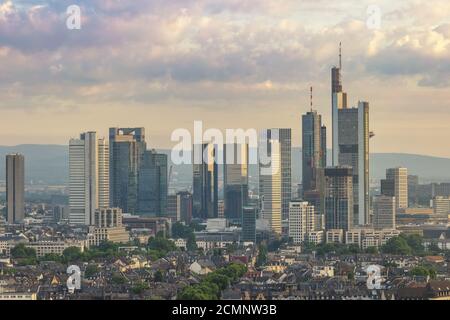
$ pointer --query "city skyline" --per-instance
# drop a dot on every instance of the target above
(399, 68)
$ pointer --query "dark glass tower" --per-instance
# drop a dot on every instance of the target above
(205, 181)
(235, 180)
(152, 184)
(126, 147)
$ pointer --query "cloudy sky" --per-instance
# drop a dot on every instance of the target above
(231, 63)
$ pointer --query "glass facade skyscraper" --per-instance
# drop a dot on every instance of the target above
(205, 181)
(127, 146)
(152, 184)
(235, 179)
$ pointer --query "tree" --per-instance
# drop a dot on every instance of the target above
(415, 242)
(72, 254)
(372, 250)
(161, 244)
(20, 251)
(262, 255)
(117, 278)
(397, 245)
(90, 270)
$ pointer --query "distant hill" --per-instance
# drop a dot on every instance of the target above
(49, 164)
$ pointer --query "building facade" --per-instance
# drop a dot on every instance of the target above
(205, 181)
(152, 184)
(384, 212)
(15, 188)
(126, 148)
(88, 177)
(301, 221)
(235, 174)
(338, 198)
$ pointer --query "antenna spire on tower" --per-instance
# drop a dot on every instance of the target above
(311, 97)
(340, 56)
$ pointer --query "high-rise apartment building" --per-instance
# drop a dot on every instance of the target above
(338, 198)
(126, 146)
(396, 184)
(384, 212)
(15, 188)
(301, 221)
(88, 177)
(235, 174)
(205, 181)
(152, 184)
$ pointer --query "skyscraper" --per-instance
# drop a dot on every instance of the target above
(351, 142)
(205, 181)
(338, 198)
(396, 184)
(88, 177)
(301, 221)
(384, 212)
(126, 146)
(353, 146)
(270, 178)
(286, 170)
(338, 102)
(235, 179)
(313, 149)
(152, 184)
(248, 224)
(15, 188)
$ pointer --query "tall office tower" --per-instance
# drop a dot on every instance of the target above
(286, 170)
(235, 180)
(396, 184)
(413, 195)
(248, 224)
(205, 181)
(172, 207)
(323, 146)
(184, 207)
(301, 220)
(313, 150)
(88, 177)
(353, 144)
(126, 147)
(313, 162)
(15, 188)
(152, 184)
(338, 102)
(270, 178)
(384, 212)
(103, 173)
(338, 198)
